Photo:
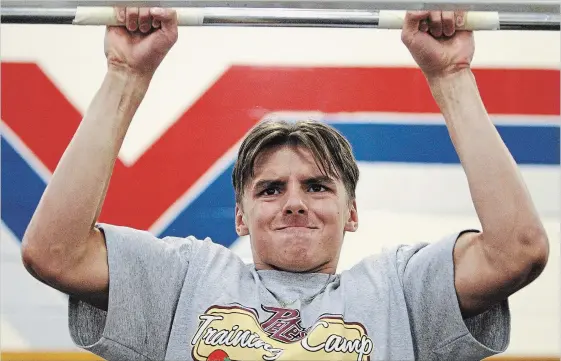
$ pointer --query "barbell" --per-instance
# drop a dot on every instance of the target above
(497, 15)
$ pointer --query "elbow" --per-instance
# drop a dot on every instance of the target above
(29, 253)
(27, 256)
(38, 262)
(30, 257)
(533, 243)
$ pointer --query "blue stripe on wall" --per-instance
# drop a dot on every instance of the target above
(212, 213)
(22, 189)
(409, 143)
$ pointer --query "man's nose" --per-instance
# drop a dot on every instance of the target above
(295, 203)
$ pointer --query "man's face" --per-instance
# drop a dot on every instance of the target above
(296, 218)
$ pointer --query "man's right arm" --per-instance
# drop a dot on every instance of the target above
(61, 246)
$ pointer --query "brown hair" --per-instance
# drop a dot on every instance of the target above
(332, 152)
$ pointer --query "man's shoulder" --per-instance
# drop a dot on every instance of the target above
(190, 248)
(397, 255)
(394, 260)
(402, 253)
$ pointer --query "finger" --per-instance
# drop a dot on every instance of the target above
(144, 20)
(424, 27)
(120, 11)
(156, 23)
(413, 19)
(167, 17)
(132, 18)
(460, 19)
(448, 23)
(436, 23)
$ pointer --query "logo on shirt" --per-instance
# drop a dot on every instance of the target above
(235, 333)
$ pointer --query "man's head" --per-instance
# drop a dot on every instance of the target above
(295, 195)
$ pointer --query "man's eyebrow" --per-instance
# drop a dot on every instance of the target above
(320, 179)
(266, 183)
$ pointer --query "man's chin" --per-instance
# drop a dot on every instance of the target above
(299, 267)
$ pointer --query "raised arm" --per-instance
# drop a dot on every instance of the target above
(512, 249)
(61, 246)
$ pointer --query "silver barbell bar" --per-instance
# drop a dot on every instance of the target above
(279, 17)
(516, 6)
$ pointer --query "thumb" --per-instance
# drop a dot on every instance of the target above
(413, 20)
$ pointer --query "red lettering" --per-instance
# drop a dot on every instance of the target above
(284, 325)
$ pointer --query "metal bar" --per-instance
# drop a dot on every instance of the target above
(279, 17)
(517, 21)
(37, 15)
(290, 17)
(518, 6)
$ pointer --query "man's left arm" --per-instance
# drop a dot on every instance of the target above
(512, 249)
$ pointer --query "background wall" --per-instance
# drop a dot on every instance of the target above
(173, 171)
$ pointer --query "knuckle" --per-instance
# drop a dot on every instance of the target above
(144, 22)
(132, 18)
(405, 38)
(120, 11)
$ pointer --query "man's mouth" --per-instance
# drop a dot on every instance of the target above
(296, 227)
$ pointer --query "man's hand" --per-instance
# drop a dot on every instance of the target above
(141, 46)
(434, 42)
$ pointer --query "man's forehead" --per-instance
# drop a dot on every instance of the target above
(280, 164)
(285, 156)
(283, 174)
(303, 177)
(273, 169)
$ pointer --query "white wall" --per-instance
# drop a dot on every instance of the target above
(437, 202)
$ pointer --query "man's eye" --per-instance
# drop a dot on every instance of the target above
(270, 191)
(317, 188)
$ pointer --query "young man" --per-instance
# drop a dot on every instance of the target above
(136, 297)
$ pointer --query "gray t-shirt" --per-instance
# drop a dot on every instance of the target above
(188, 299)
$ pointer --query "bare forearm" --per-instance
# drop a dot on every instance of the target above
(71, 202)
(499, 194)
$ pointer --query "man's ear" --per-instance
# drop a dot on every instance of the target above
(352, 222)
(241, 227)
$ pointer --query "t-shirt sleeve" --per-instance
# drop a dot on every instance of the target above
(146, 275)
(438, 328)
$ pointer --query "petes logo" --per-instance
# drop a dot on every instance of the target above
(234, 333)
(284, 325)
